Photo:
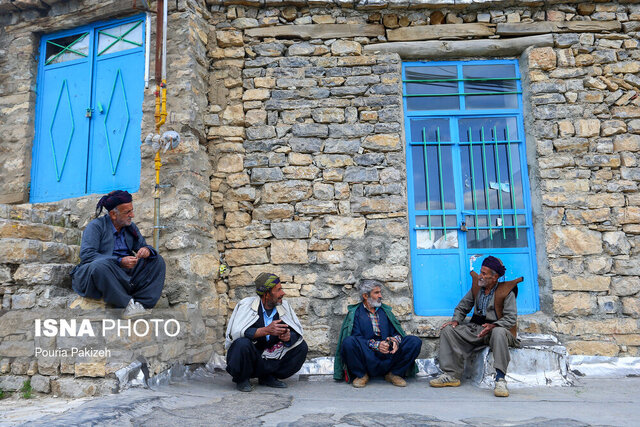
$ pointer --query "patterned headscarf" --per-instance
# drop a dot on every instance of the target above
(265, 282)
(495, 264)
(113, 199)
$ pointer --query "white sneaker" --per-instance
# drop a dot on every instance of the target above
(501, 389)
(133, 309)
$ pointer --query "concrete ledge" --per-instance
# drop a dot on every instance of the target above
(540, 361)
(461, 49)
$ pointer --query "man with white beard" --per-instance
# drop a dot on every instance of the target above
(372, 342)
(493, 323)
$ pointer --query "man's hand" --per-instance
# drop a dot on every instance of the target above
(453, 324)
(487, 328)
(383, 347)
(128, 261)
(277, 328)
(286, 337)
(143, 252)
(396, 345)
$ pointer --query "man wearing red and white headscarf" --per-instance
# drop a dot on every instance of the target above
(493, 323)
(116, 264)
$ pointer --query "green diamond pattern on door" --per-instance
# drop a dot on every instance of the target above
(124, 103)
(56, 119)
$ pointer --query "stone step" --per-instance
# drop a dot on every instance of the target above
(540, 361)
(21, 251)
(36, 231)
(50, 214)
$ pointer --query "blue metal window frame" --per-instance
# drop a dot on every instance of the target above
(92, 58)
(453, 116)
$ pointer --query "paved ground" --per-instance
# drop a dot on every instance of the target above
(322, 402)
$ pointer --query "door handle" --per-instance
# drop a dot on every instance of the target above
(463, 226)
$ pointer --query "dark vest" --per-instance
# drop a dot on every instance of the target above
(503, 289)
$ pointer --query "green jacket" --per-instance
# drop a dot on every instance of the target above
(347, 328)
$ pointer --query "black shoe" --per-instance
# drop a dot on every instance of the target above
(271, 381)
(244, 386)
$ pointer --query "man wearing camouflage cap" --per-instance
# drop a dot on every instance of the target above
(264, 337)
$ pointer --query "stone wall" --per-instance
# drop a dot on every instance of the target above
(293, 161)
(306, 136)
(39, 243)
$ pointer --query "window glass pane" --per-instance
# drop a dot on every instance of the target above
(436, 221)
(470, 220)
(485, 125)
(432, 88)
(498, 241)
(483, 178)
(428, 129)
(67, 48)
(433, 191)
(122, 37)
(474, 102)
(436, 239)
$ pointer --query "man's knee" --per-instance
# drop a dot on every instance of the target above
(158, 262)
(446, 332)
(240, 346)
(349, 344)
(412, 342)
(499, 334)
(304, 348)
(99, 266)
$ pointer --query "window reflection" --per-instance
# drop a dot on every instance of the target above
(499, 241)
(476, 84)
(435, 193)
(482, 181)
(416, 85)
(429, 129)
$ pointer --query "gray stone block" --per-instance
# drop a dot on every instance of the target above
(310, 129)
(291, 230)
(12, 382)
(306, 145)
(360, 174)
(41, 383)
(340, 146)
(262, 175)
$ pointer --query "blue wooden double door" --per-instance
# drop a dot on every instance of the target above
(468, 184)
(89, 111)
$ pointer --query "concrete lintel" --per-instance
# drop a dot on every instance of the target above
(461, 49)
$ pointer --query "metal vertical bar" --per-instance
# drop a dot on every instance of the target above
(426, 179)
(473, 185)
(486, 180)
(495, 139)
(444, 217)
(147, 48)
(511, 181)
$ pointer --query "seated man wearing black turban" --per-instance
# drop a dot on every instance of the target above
(116, 263)
(493, 324)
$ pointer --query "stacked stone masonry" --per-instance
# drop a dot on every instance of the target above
(293, 161)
